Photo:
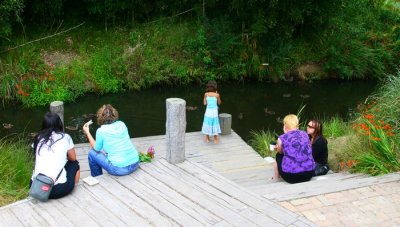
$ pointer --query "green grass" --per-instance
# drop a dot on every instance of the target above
(260, 141)
(335, 127)
(16, 165)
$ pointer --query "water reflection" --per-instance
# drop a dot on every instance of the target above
(253, 107)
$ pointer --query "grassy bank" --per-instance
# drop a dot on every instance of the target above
(16, 165)
(368, 143)
(179, 51)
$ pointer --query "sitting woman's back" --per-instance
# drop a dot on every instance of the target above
(294, 160)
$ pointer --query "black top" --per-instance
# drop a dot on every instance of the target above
(320, 150)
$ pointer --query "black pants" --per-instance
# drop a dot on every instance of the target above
(292, 177)
(61, 190)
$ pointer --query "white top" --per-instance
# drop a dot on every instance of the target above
(52, 159)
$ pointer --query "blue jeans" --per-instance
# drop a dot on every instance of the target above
(99, 161)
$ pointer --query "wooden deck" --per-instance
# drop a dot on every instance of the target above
(237, 161)
(232, 157)
(226, 184)
(158, 194)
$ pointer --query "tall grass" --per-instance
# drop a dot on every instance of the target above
(260, 141)
(379, 125)
(16, 164)
(335, 127)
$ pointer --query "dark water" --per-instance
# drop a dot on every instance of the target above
(253, 106)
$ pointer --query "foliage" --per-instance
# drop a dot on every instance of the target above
(381, 154)
(16, 164)
(102, 63)
(260, 142)
(360, 47)
(10, 13)
(378, 125)
(251, 42)
(335, 127)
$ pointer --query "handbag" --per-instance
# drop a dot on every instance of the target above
(321, 169)
(41, 186)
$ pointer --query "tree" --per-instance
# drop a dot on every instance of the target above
(9, 13)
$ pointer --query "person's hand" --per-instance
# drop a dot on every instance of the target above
(85, 128)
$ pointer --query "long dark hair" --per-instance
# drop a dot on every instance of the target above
(318, 131)
(51, 123)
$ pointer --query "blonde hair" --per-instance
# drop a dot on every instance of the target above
(291, 122)
(106, 114)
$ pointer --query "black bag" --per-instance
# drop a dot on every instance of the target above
(41, 187)
(321, 169)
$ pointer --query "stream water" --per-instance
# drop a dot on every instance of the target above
(254, 106)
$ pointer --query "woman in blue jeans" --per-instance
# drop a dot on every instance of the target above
(112, 150)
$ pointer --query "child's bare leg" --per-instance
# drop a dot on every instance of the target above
(207, 138)
(216, 139)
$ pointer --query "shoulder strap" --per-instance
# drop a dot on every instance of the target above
(58, 175)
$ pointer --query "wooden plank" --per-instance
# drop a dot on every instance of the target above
(198, 193)
(53, 216)
(73, 212)
(104, 195)
(161, 202)
(8, 218)
(276, 212)
(94, 207)
(171, 191)
(25, 215)
(123, 201)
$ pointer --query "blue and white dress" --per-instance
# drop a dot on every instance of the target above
(211, 121)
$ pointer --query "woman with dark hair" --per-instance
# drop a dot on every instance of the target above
(112, 150)
(319, 147)
(55, 156)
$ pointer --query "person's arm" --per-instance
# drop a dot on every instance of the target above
(279, 146)
(71, 154)
(218, 98)
(205, 99)
(88, 135)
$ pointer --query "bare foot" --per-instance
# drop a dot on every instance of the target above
(216, 140)
(206, 139)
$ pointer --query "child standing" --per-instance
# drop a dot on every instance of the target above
(211, 122)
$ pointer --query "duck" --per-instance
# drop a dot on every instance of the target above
(287, 95)
(191, 107)
(279, 120)
(269, 112)
(7, 125)
(304, 96)
(72, 128)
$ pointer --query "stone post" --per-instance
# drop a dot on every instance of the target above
(225, 121)
(175, 130)
(58, 108)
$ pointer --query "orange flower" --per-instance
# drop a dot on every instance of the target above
(369, 116)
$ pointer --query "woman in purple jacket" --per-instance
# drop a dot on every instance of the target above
(294, 158)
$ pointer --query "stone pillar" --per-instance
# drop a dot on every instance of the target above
(58, 108)
(225, 121)
(175, 130)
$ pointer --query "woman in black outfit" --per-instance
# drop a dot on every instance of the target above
(319, 147)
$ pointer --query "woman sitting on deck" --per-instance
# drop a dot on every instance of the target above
(55, 156)
(319, 147)
(112, 150)
(294, 160)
